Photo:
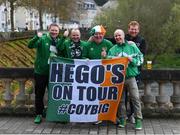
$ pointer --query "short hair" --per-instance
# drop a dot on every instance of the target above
(121, 31)
(75, 29)
(133, 23)
(53, 24)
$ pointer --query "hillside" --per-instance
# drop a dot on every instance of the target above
(16, 54)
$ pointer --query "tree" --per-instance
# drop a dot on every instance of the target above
(59, 8)
(159, 22)
(39, 5)
(62, 9)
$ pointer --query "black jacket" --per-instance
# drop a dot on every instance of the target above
(140, 42)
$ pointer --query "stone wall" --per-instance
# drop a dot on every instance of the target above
(7, 36)
(153, 104)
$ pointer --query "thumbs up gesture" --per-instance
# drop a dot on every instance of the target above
(103, 53)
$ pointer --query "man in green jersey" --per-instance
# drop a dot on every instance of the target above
(123, 49)
(98, 47)
(45, 45)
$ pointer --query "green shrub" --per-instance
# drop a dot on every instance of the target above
(165, 61)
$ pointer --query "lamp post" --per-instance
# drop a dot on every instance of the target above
(6, 19)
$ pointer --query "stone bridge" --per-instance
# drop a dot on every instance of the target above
(159, 90)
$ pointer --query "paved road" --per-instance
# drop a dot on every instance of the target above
(25, 125)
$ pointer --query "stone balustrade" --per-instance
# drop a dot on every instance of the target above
(155, 100)
(164, 103)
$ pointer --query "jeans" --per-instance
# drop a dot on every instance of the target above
(132, 88)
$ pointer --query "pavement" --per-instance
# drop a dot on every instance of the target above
(25, 125)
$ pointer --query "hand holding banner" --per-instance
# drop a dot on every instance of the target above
(85, 92)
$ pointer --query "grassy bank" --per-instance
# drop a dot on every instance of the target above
(165, 61)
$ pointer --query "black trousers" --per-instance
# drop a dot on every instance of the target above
(41, 83)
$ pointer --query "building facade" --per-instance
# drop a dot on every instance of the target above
(4, 18)
(28, 18)
(87, 12)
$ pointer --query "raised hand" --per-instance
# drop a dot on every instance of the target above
(39, 34)
(66, 33)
